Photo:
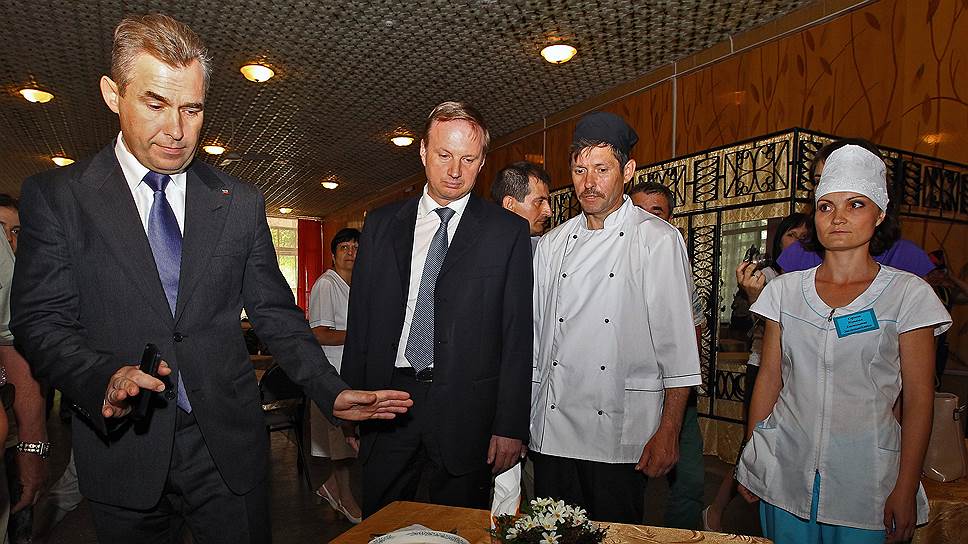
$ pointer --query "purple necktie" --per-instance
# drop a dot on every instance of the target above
(166, 244)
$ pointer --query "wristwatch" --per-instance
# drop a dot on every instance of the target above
(37, 448)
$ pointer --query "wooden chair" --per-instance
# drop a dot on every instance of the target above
(284, 406)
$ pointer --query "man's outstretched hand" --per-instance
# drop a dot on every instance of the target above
(353, 405)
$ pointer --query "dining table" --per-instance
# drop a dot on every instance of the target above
(947, 515)
(473, 525)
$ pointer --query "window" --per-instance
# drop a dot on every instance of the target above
(285, 238)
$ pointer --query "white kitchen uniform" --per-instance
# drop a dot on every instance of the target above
(841, 372)
(613, 328)
(328, 302)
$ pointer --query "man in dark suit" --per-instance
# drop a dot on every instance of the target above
(440, 308)
(142, 244)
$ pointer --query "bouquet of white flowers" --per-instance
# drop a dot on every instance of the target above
(547, 521)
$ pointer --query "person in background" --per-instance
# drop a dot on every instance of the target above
(615, 347)
(794, 228)
(523, 188)
(27, 445)
(6, 388)
(902, 254)
(840, 340)
(328, 302)
(687, 479)
(952, 291)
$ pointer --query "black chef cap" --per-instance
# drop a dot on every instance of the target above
(602, 126)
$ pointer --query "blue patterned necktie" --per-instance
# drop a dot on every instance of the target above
(165, 240)
(420, 343)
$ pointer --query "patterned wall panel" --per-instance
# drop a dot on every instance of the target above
(887, 72)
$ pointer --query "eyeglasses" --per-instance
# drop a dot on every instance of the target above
(347, 247)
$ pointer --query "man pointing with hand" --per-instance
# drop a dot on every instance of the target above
(141, 244)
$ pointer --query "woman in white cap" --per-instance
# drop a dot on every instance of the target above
(825, 453)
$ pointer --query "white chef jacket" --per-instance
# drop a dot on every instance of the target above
(328, 302)
(613, 328)
(834, 413)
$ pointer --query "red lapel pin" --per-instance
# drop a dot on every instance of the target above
(225, 192)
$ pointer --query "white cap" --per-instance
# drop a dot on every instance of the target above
(854, 169)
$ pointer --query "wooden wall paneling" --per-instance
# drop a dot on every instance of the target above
(330, 228)
(650, 114)
(702, 99)
(557, 145)
(933, 110)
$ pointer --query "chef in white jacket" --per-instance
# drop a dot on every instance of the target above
(615, 345)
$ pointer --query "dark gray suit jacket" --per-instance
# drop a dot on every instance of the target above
(483, 327)
(86, 298)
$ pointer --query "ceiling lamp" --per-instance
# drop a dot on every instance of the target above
(36, 95)
(257, 72)
(285, 210)
(62, 161)
(402, 140)
(559, 53)
(330, 184)
(213, 149)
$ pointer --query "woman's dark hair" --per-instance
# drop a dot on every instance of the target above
(791, 221)
(887, 233)
(7, 201)
(344, 235)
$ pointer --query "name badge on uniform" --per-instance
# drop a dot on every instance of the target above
(856, 323)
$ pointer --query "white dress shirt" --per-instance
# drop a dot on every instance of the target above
(834, 415)
(614, 328)
(328, 302)
(427, 222)
(134, 173)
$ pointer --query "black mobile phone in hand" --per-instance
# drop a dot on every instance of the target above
(150, 360)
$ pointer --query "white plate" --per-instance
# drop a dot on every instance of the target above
(419, 536)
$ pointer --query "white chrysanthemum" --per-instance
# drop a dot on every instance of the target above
(549, 522)
(512, 533)
(579, 516)
(525, 523)
(549, 538)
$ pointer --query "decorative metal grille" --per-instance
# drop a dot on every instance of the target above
(763, 178)
(702, 249)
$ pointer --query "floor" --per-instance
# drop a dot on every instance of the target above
(299, 517)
